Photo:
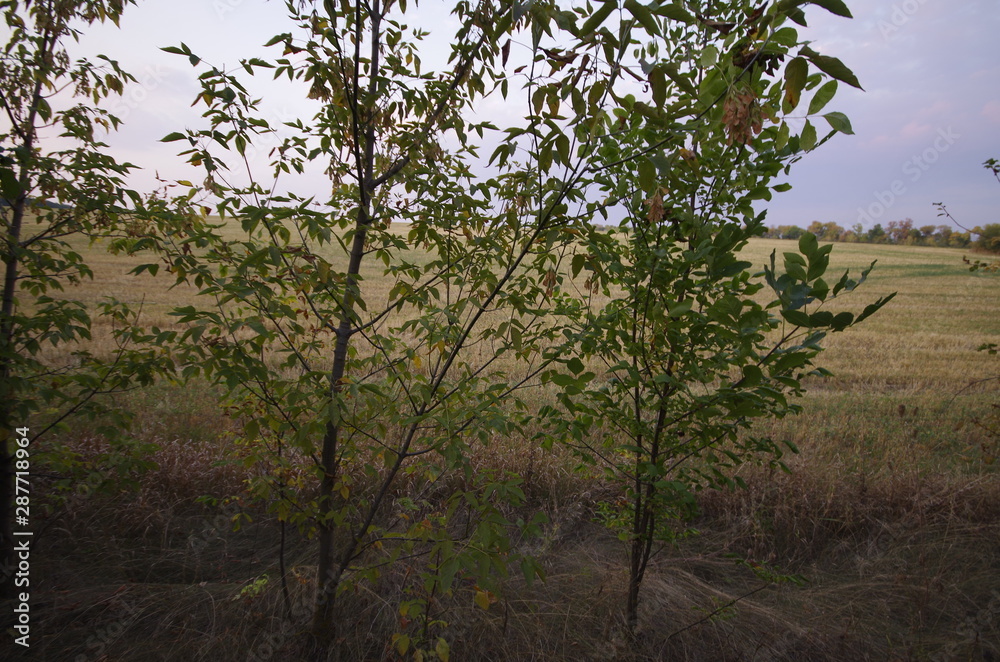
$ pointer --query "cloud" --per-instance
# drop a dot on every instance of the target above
(991, 111)
(914, 130)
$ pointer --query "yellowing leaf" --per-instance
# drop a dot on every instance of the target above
(442, 649)
(482, 600)
(402, 642)
(796, 74)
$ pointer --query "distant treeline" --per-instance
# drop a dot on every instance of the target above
(903, 233)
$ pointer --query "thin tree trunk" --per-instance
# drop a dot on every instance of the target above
(327, 574)
(7, 349)
(644, 525)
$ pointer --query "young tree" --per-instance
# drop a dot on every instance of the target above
(48, 198)
(681, 358)
(378, 390)
(384, 394)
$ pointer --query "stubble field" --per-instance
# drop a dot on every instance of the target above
(891, 517)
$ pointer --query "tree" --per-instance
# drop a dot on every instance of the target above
(670, 372)
(370, 391)
(898, 232)
(989, 237)
(855, 234)
(942, 235)
(375, 390)
(49, 197)
(877, 234)
(794, 232)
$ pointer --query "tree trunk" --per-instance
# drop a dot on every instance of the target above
(8, 562)
(327, 572)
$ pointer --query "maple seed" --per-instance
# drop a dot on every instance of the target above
(741, 116)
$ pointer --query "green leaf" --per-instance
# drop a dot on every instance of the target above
(674, 12)
(9, 186)
(538, 99)
(823, 96)
(680, 308)
(871, 309)
(545, 157)
(562, 148)
(674, 73)
(821, 318)
(794, 269)
(820, 289)
(644, 16)
(151, 268)
(647, 175)
(839, 122)
(172, 137)
(591, 24)
(520, 8)
(752, 375)
(834, 6)
(709, 56)
(842, 320)
(808, 245)
(781, 140)
(794, 258)
(447, 571)
(277, 38)
(797, 317)
(818, 266)
(832, 67)
(662, 163)
(807, 140)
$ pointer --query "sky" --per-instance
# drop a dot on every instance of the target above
(928, 117)
(927, 120)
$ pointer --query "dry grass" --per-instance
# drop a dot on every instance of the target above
(892, 514)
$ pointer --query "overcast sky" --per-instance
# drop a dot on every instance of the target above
(929, 116)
